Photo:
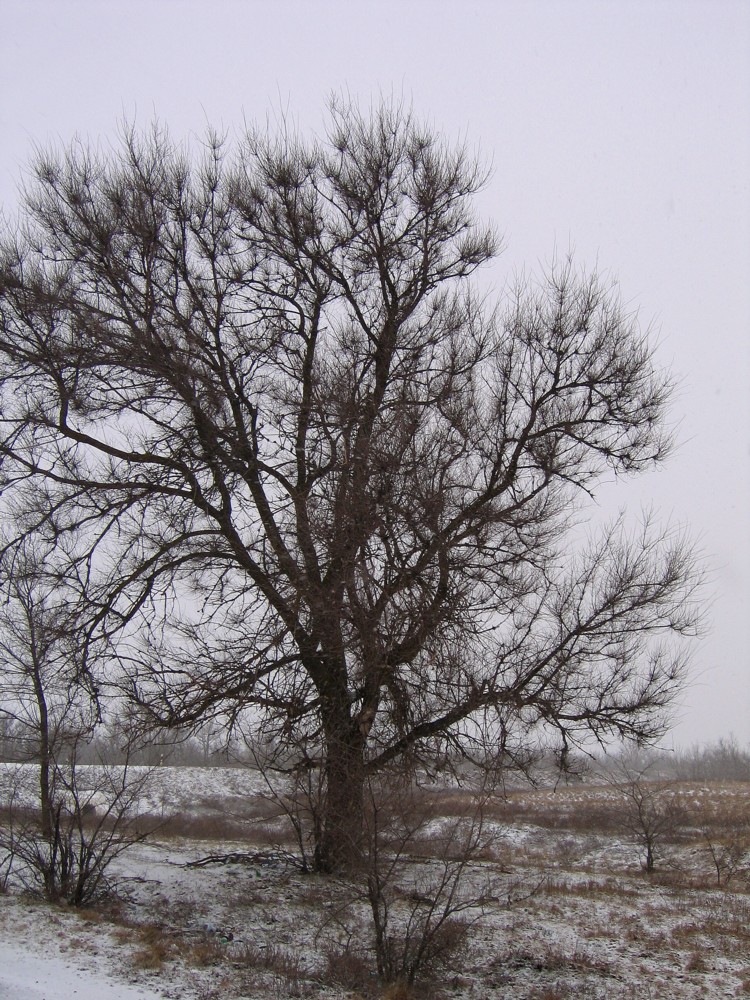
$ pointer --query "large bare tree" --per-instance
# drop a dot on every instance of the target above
(317, 476)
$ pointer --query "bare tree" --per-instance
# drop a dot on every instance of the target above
(652, 809)
(318, 476)
(60, 838)
(45, 673)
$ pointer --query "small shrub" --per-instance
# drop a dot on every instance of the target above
(398, 991)
(274, 958)
(347, 968)
(557, 992)
(696, 963)
(63, 852)
(155, 948)
(205, 953)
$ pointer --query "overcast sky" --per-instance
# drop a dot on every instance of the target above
(619, 130)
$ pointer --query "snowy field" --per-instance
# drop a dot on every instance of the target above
(570, 913)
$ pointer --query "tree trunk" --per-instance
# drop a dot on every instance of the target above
(649, 858)
(45, 755)
(340, 843)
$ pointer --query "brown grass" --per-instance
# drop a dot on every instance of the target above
(550, 958)
(155, 947)
(588, 888)
(650, 928)
(275, 958)
(697, 963)
(596, 808)
(207, 952)
(347, 968)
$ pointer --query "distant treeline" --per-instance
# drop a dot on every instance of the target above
(174, 747)
(723, 760)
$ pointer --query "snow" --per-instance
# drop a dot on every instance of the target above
(25, 975)
(573, 913)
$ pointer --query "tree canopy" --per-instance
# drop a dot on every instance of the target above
(300, 465)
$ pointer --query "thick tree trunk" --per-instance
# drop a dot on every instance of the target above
(340, 843)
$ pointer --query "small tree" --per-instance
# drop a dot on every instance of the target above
(728, 851)
(652, 810)
(316, 475)
(61, 840)
(94, 818)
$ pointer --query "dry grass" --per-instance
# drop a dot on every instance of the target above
(575, 915)
(270, 956)
(253, 817)
(596, 808)
(155, 946)
(697, 962)
(348, 968)
(209, 951)
(551, 958)
(589, 888)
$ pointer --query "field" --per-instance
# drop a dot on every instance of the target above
(555, 903)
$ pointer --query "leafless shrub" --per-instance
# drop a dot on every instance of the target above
(66, 853)
(652, 811)
(420, 879)
(267, 956)
(284, 962)
(429, 933)
(722, 824)
(728, 853)
(347, 966)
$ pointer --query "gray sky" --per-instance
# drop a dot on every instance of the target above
(620, 130)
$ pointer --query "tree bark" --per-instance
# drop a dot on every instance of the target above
(340, 843)
(45, 753)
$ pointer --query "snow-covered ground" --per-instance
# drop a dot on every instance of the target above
(570, 912)
(27, 974)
